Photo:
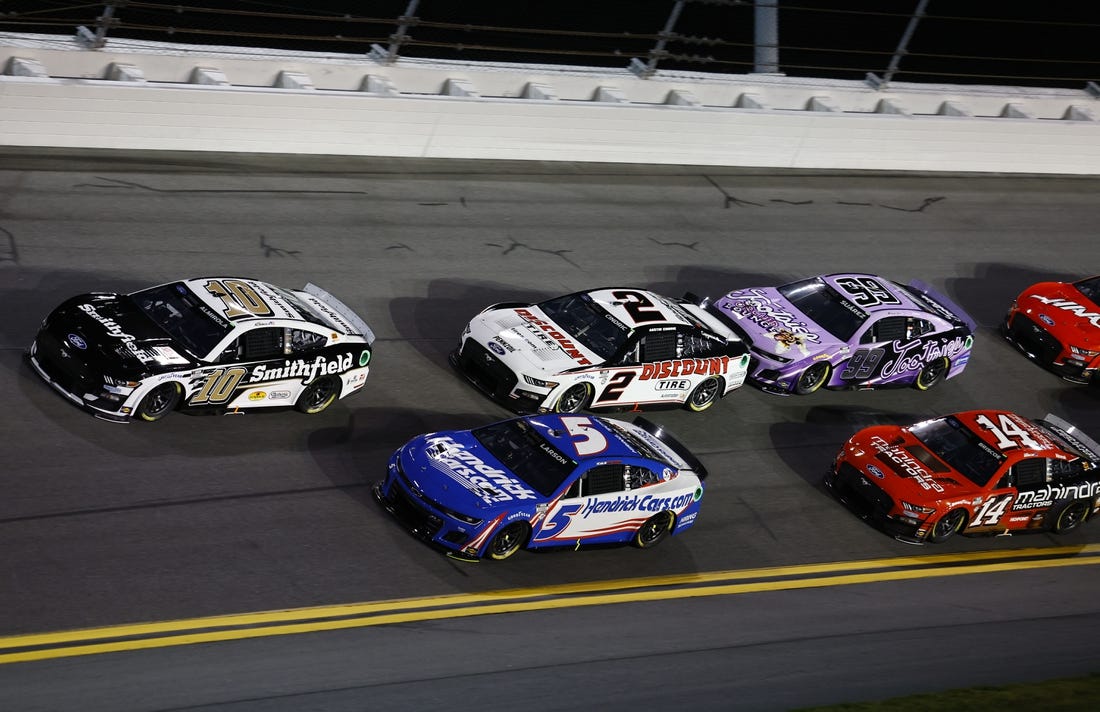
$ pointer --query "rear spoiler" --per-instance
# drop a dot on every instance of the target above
(358, 326)
(670, 441)
(1069, 432)
(941, 303)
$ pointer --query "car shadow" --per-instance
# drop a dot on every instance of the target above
(987, 295)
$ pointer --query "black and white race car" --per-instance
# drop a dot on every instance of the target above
(604, 349)
(214, 343)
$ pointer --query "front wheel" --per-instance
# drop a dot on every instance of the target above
(948, 526)
(812, 378)
(704, 395)
(158, 402)
(653, 532)
(574, 400)
(1071, 516)
(933, 372)
(318, 395)
(508, 541)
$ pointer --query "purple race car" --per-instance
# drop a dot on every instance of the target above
(848, 331)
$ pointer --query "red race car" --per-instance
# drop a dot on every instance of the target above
(1057, 324)
(978, 472)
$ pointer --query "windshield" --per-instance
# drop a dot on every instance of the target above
(184, 316)
(823, 305)
(520, 447)
(1090, 288)
(587, 322)
(960, 448)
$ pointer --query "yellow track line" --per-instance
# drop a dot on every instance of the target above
(288, 622)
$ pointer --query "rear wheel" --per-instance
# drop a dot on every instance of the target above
(158, 402)
(948, 526)
(318, 395)
(574, 400)
(508, 541)
(1070, 516)
(704, 395)
(933, 372)
(653, 532)
(812, 378)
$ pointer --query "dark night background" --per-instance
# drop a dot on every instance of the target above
(1051, 43)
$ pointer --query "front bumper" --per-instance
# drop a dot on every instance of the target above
(1039, 345)
(489, 375)
(70, 377)
(870, 502)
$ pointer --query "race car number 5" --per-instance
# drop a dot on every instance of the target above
(587, 440)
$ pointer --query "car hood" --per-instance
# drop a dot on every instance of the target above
(110, 330)
(1064, 311)
(527, 341)
(455, 470)
(775, 326)
(903, 467)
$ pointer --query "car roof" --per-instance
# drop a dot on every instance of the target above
(271, 295)
(905, 301)
(587, 430)
(670, 312)
(1041, 445)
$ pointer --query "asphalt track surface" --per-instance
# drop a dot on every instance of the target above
(104, 524)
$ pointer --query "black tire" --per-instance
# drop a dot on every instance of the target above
(948, 526)
(812, 378)
(575, 399)
(653, 532)
(704, 395)
(1070, 516)
(508, 541)
(933, 372)
(318, 395)
(158, 402)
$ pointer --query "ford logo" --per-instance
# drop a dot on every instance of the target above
(875, 471)
(1046, 320)
(496, 348)
(78, 342)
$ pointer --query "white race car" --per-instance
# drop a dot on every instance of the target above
(602, 349)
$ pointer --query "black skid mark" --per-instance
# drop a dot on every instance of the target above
(923, 205)
(8, 250)
(278, 252)
(688, 245)
(400, 246)
(117, 183)
(516, 243)
(792, 202)
(730, 199)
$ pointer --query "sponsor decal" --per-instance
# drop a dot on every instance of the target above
(493, 484)
(115, 329)
(912, 355)
(876, 472)
(496, 348)
(686, 520)
(672, 385)
(1047, 496)
(78, 342)
(906, 463)
(257, 396)
(301, 368)
(278, 395)
(715, 366)
(364, 358)
(1046, 320)
(1074, 308)
(785, 340)
(333, 315)
(754, 305)
(566, 344)
(636, 503)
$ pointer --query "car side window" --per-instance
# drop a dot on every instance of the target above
(918, 327)
(603, 479)
(888, 328)
(659, 346)
(300, 341)
(637, 476)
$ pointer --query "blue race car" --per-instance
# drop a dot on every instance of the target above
(543, 481)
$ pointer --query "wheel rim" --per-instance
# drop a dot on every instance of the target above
(949, 524)
(1071, 517)
(811, 378)
(573, 399)
(319, 394)
(932, 373)
(705, 393)
(159, 400)
(654, 529)
(507, 541)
